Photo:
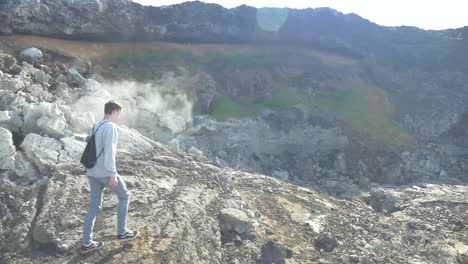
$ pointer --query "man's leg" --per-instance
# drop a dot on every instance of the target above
(123, 195)
(96, 192)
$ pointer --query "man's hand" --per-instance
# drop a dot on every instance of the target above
(113, 182)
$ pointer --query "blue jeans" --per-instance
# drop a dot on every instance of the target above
(97, 188)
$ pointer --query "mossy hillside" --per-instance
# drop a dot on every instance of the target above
(364, 110)
(145, 65)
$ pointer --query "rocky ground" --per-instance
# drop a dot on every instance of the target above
(191, 209)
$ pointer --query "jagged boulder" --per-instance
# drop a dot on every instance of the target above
(45, 118)
(72, 149)
(132, 142)
(25, 170)
(43, 151)
(7, 150)
(75, 79)
(81, 122)
(20, 214)
(62, 233)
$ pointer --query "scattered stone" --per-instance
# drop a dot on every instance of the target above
(458, 226)
(233, 222)
(273, 252)
(383, 202)
(194, 152)
(325, 242)
(282, 175)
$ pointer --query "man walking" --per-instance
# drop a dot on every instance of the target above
(104, 173)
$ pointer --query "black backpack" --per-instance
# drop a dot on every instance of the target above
(89, 159)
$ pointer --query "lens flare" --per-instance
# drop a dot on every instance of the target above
(271, 19)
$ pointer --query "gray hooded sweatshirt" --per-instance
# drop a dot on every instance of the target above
(106, 142)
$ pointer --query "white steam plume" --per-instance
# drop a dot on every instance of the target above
(145, 106)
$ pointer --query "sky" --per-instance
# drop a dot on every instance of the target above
(425, 14)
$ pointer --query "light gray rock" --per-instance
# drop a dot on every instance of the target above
(75, 79)
(194, 152)
(13, 102)
(39, 93)
(42, 151)
(7, 150)
(132, 142)
(282, 175)
(41, 77)
(24, 169)
(63, 92)
(5, 118)
(23, 212)
(53, 125)
(174, 145)
(235, 220)
(12, 85)
(16, 120)
(45, 118)
(81, 122)
(31, 55)
(72, 149)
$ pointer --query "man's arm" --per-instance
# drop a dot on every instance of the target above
(110, 150)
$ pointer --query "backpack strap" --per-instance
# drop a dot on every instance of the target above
(94, 132)
(100, 154)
